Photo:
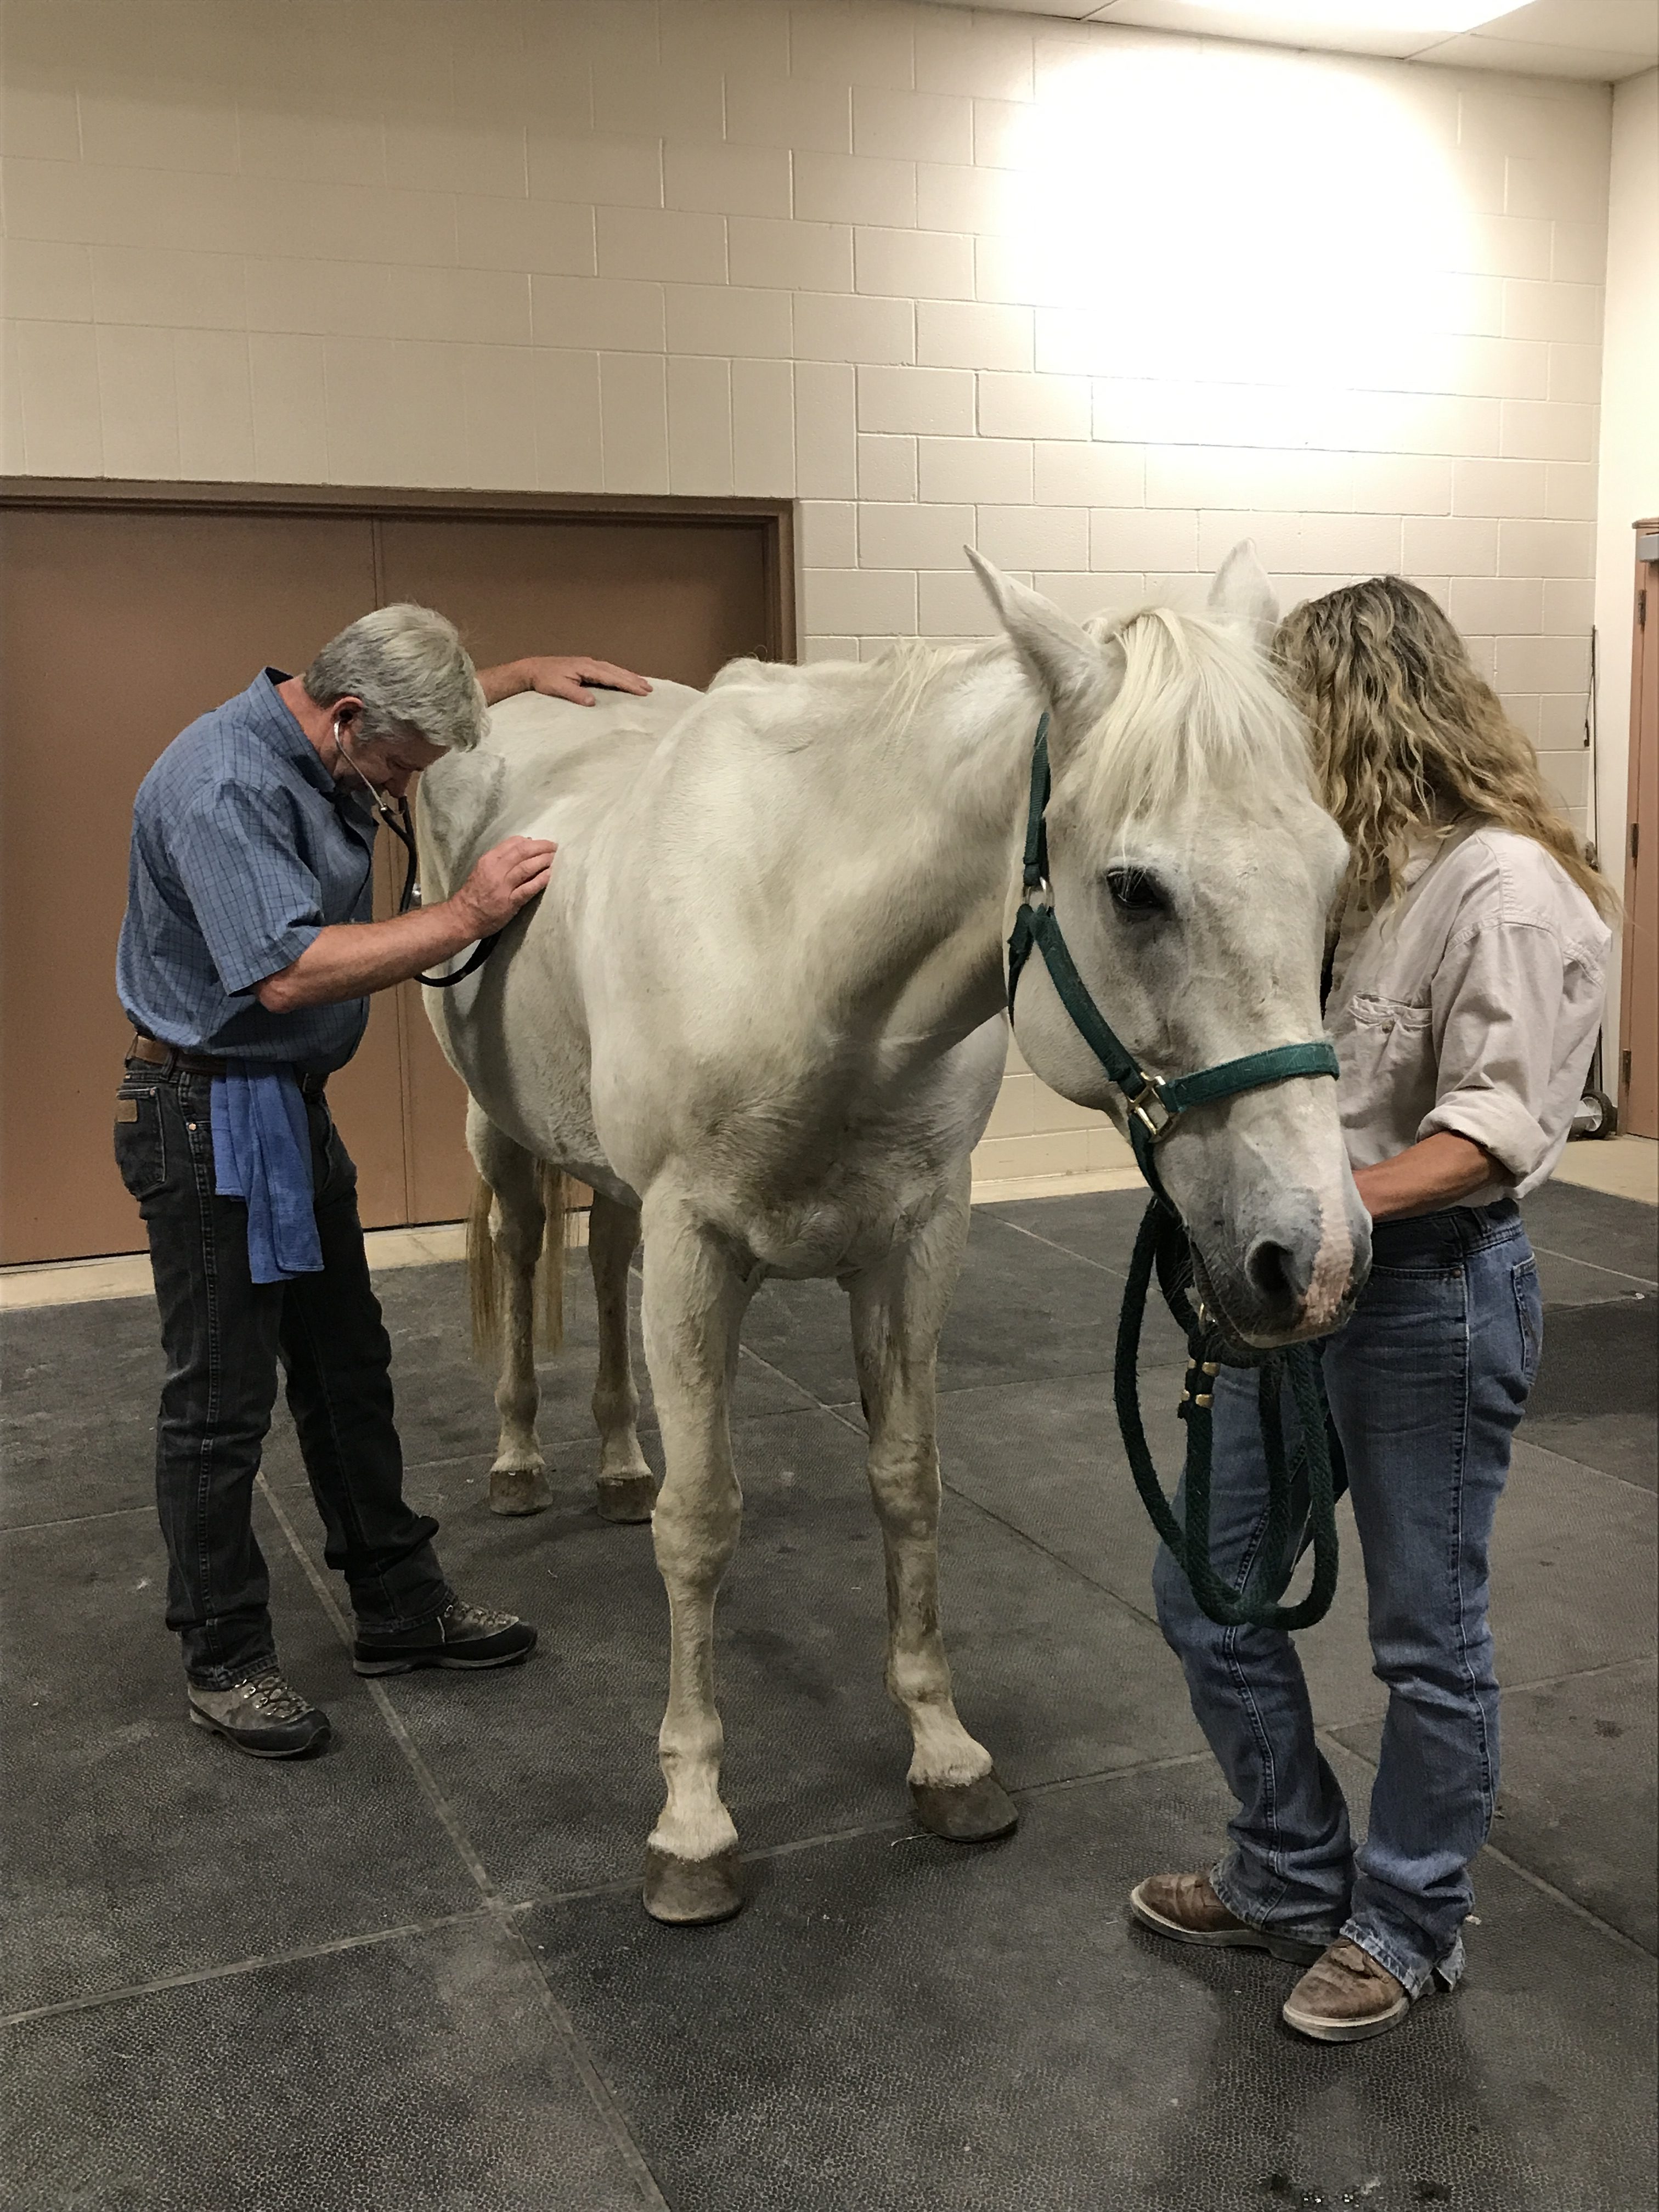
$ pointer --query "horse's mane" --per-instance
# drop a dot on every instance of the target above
(1198, 711)
(888, 690)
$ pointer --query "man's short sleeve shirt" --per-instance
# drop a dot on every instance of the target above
(243, 848)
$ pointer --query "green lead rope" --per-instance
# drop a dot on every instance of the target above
(1304, 1484)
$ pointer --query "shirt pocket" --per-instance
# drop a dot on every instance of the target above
(1387, 1050)
(141, 1153)
(1401, 1018)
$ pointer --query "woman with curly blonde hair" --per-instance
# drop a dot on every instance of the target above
(1466, 987)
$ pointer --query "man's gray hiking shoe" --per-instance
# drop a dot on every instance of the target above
(261, 1716)
(460, 1636)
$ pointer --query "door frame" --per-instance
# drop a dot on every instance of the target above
(774, 519)
(1636, 1084)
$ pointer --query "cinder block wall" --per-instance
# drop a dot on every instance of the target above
(1099, 302)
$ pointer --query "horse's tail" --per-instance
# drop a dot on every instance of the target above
(482, 1279)
(557, 1194)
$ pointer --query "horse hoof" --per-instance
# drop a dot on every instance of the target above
(965, 1812)
(685, 1892)
(627, 1497)
(520, 1490)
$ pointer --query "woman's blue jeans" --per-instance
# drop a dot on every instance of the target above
(1426, 1384)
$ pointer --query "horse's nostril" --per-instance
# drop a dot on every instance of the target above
(1278, 1275)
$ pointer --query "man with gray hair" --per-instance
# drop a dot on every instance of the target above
(246, 960)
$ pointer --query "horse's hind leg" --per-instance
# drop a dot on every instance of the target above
(502, 1257)
(898, 1310)
(694, 1304)
(628, 1489)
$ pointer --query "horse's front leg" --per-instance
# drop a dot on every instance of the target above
(898, 1310)
(628, 1489)
(694, 1304)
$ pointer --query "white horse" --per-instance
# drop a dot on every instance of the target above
(759, 1010)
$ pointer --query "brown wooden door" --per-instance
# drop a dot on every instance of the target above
(116, 631)
(124, 613)
(1639, 1000)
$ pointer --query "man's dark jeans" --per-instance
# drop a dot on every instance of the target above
(223, 1336)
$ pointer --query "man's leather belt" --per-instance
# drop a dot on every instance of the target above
(153, 1053)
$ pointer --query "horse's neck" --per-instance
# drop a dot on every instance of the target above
(915, 830)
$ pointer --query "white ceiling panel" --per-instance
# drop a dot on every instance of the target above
(1272, 26)
(1605, 39)
(1529, 58)
(1625, 26)
(1601, 41)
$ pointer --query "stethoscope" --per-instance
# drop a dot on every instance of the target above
(402, 826)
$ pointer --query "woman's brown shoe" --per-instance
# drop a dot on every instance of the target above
(1186, 1907)
(1345, 1996)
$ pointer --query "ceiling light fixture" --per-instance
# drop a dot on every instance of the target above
(1432, 18)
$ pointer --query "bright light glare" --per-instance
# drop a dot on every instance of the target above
(1428, 16)
(1217, 217)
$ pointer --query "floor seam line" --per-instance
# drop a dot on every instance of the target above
(1572, 1675)
(599, 2091)
(1125, 1773)
(761, 1360)
(1585, 1466)
(1148, 1619)
(899, 1826)
(1548, 1888)
(841, 1412)
(1623, 1274)
(1118, 1274)
(1541, 1883)
(233, 1968)
(74, 1519)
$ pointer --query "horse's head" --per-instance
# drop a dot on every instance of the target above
(1192, 872)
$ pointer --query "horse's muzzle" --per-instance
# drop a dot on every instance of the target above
(1297, 1277)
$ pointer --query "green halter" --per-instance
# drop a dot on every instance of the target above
(1036, 924)
(1301, 1489)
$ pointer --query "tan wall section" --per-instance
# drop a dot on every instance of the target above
(1097, 301)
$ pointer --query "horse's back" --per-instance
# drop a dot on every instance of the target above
(545, 767)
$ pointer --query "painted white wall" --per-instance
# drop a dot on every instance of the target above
(1101, 302)
(1629, 463)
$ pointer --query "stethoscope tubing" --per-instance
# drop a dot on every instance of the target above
(402, 826)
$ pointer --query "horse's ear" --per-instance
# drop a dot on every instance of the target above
(1080, 676)
(1244, 592)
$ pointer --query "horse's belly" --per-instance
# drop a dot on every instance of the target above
(869, 1185)
(523, 1059)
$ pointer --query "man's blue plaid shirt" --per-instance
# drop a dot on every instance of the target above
(243, 848)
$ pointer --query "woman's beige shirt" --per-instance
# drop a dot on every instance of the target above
(1471, 1005)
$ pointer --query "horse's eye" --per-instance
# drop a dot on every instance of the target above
(1134, 891)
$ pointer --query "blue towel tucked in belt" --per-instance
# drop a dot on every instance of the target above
(262, 1153)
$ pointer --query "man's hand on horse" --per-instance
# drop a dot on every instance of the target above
(508, 876)
(560, 676)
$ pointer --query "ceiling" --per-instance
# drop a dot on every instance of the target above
(1599, 40)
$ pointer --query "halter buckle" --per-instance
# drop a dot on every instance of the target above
(1140, 1106)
